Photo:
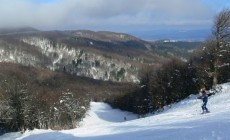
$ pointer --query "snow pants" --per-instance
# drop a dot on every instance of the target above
(204, 108)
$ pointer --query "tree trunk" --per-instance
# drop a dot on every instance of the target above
(215, 81)
(216, 62)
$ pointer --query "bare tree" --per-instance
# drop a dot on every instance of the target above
(15, 98)
(221, 32)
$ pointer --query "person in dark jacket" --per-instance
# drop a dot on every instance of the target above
(204, 97)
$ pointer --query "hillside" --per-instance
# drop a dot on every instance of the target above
(41, 98)
(41, 80)
(182, 121)
(99, 55)
(181, 49)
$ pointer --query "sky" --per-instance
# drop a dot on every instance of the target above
(111, 15)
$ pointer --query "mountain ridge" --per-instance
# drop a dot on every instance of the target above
(98, 55)
(8, 31)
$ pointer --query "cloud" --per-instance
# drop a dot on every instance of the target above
(67, 14)
(27, 13)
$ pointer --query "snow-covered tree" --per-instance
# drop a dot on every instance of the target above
(67, 111)
(221, 32)
(15, 97)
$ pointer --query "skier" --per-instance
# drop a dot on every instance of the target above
(204, 97)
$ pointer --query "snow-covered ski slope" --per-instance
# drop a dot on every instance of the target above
(182, 121)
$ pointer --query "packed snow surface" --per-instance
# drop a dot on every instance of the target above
(181, 121)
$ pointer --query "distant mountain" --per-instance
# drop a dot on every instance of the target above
(174, 34)
(181, 49)
(17, 30)
(99, 55)
(110, 39)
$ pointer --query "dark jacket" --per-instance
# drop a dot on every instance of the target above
(204, 97)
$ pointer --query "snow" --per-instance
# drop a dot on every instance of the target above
(180, 121)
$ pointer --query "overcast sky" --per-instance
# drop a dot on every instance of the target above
(113, 15)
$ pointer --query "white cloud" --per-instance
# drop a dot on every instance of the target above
(89, 13)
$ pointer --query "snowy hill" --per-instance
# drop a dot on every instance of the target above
(106, 56)
(182, 121)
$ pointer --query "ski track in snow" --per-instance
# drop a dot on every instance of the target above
(181, 121)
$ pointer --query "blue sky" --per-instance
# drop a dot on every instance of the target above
(45, 1)
(217, 4)
(112, 15)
